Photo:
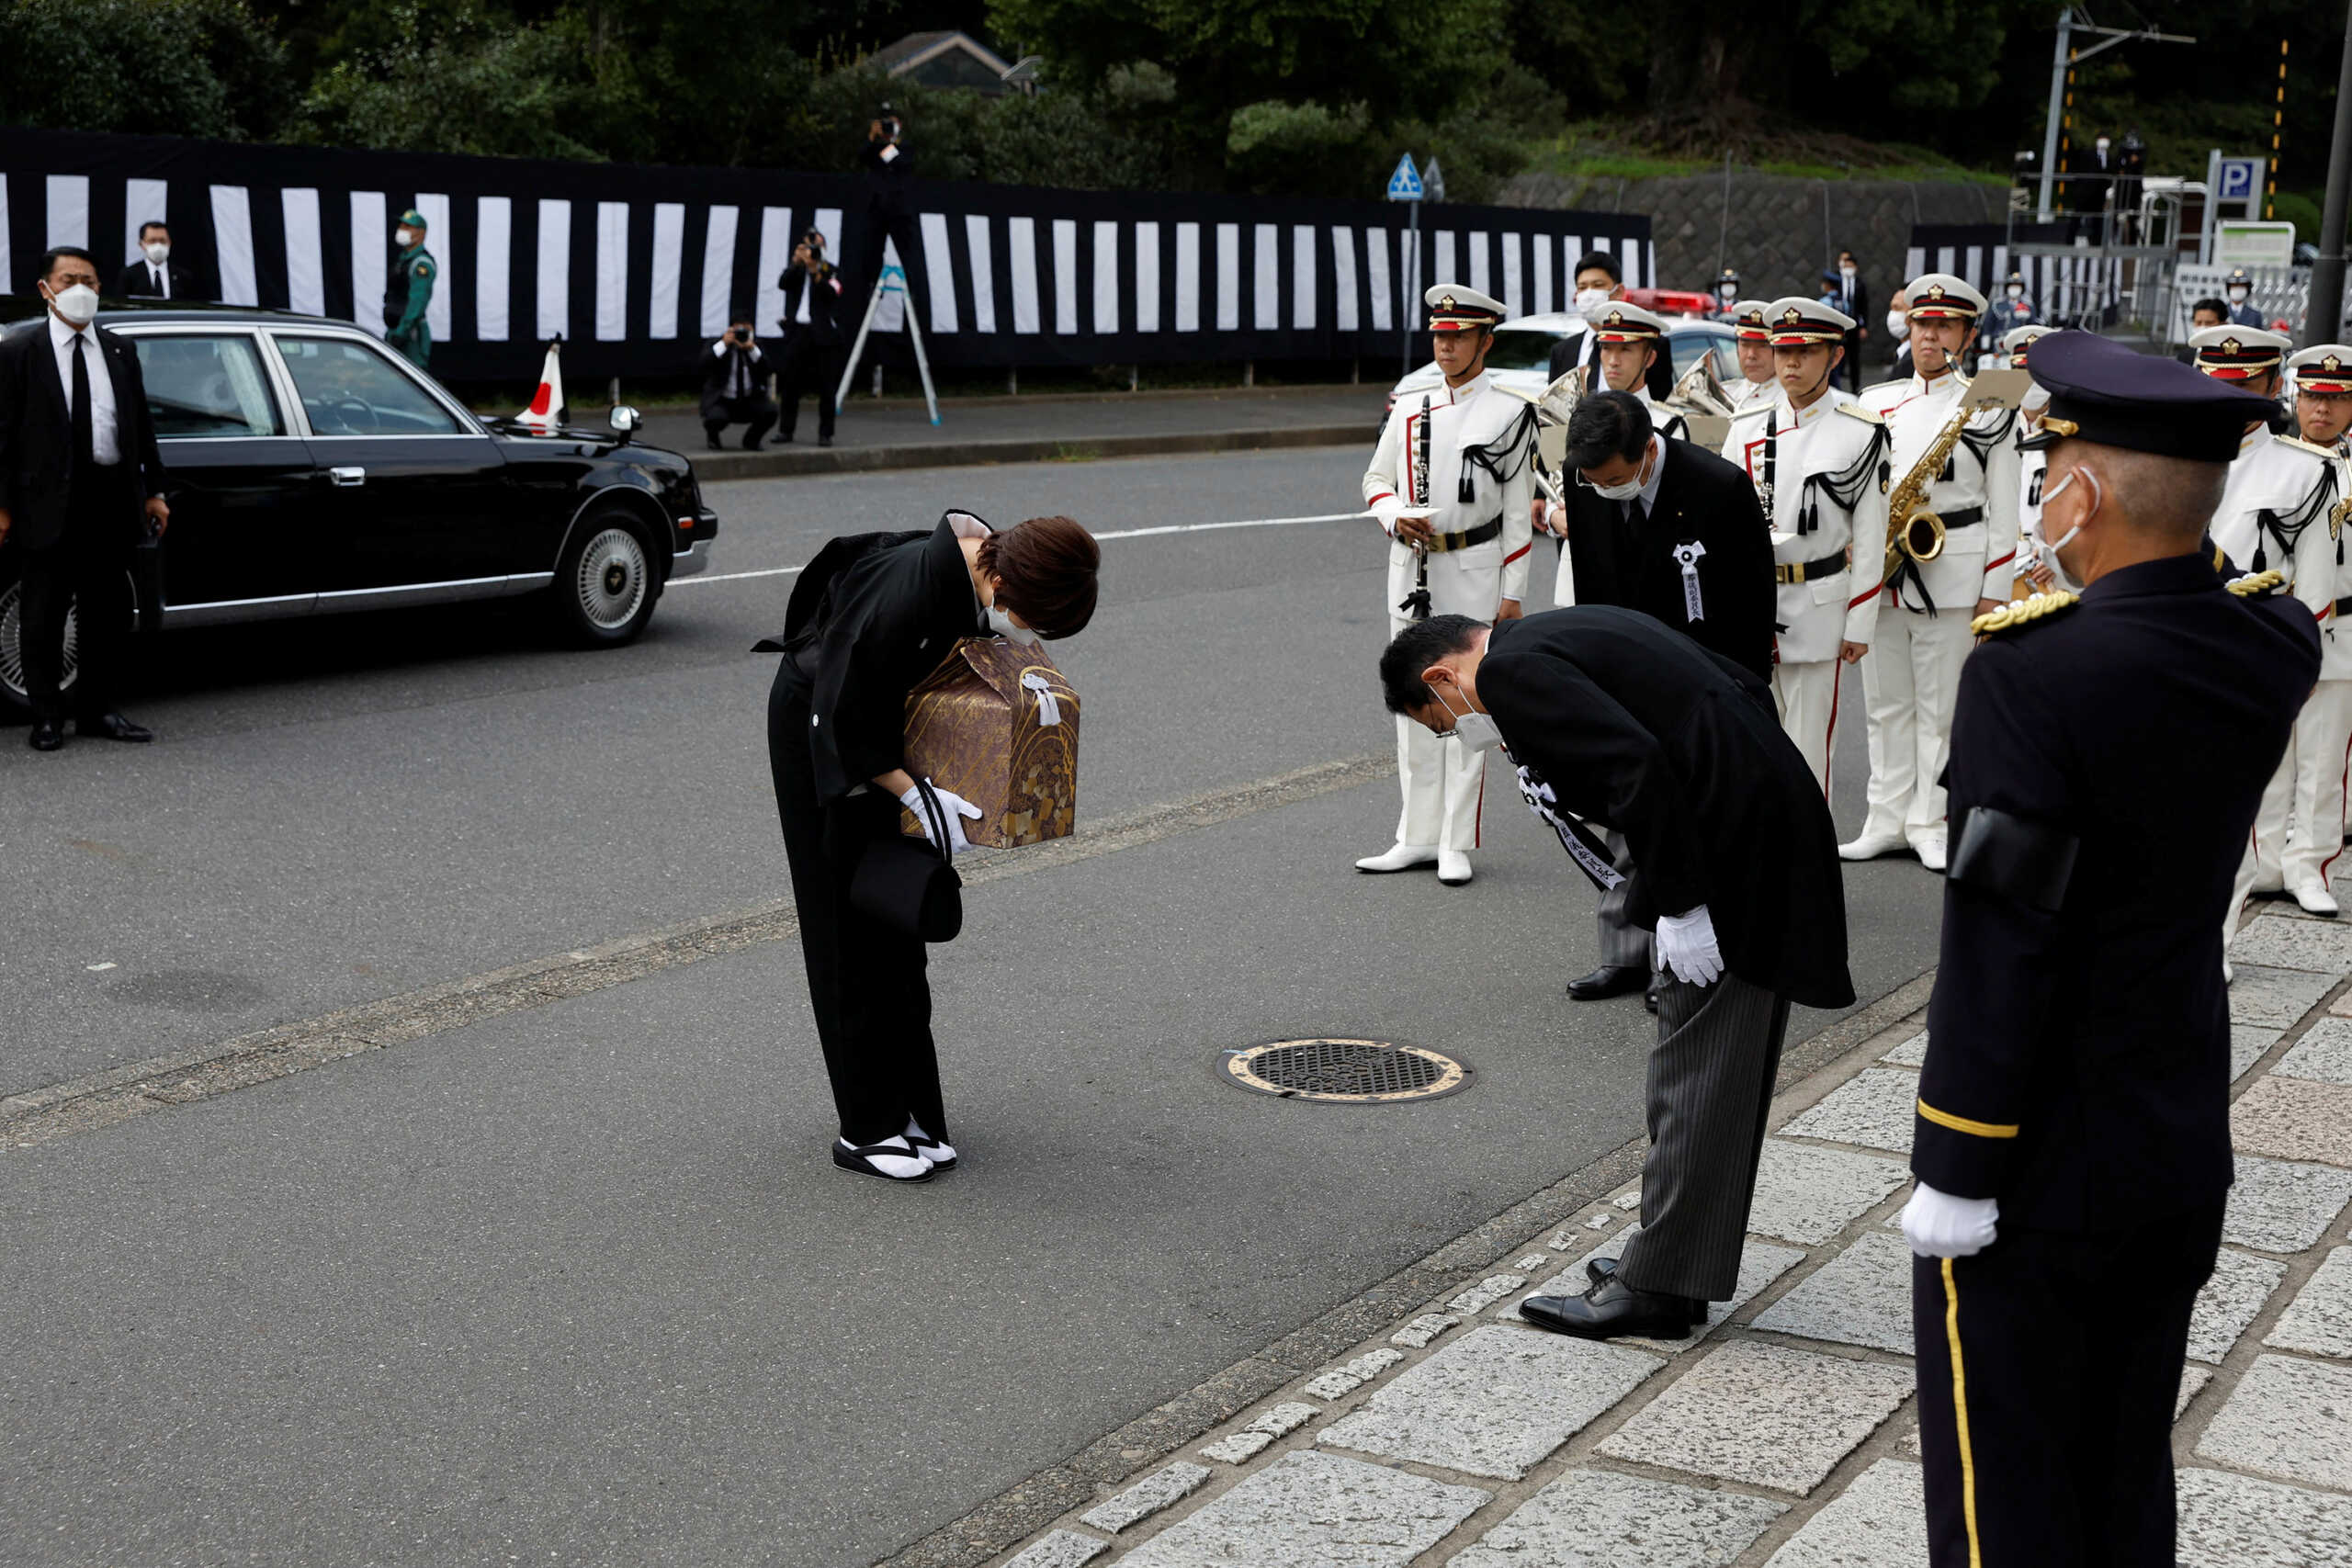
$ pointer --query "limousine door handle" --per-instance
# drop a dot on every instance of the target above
(345, 477)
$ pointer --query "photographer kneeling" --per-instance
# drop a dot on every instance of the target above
(871, 616)
(733, 386)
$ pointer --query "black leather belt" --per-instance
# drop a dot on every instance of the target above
(1966, 516)
(1810, 570)
(1441, 544)
(2343, 606)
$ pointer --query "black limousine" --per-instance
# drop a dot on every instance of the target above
(312, 472)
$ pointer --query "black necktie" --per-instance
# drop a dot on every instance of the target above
(83, 454)
(162, 286)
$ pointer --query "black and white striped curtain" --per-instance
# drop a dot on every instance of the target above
(2073, 290)
(635, 267)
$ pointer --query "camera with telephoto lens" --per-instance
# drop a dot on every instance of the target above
(889, 119)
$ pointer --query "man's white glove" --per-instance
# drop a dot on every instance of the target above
(1686, 947)
(957, 809)
(1938, 1225)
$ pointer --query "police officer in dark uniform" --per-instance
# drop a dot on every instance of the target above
(408, 292)
(2072, 1140)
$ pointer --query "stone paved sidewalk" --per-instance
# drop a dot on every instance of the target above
(1783, 1434)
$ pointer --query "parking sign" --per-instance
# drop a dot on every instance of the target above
(2240, 179)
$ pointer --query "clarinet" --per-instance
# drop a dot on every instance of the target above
(1416, 603)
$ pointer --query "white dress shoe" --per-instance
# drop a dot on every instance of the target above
(1870, 846)
(2313, 895)
(1453, 867)
(1400, 857)
(1930, 848)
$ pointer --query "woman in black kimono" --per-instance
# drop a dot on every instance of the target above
(871, 616)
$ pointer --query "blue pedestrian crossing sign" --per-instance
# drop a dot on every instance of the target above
(1405, 184)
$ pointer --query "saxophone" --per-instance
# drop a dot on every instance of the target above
(1913, 532)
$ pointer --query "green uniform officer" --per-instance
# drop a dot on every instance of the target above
(408, 290)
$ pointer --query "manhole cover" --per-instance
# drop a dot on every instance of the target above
(1362, 1071)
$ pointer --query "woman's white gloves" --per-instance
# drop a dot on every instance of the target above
(956, 809)
(1938, 1225)
(1686, 947)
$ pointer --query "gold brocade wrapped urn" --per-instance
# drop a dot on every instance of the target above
(997, 723)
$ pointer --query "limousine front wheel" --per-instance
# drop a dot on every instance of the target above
(604, 585)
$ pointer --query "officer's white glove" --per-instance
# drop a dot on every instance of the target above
(1686, 947)
(955, 806)
(1938, 1225)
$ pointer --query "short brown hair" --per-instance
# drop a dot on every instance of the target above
(1047, 568)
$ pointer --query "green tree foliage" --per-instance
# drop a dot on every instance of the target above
(1224, 55)
(185, 67)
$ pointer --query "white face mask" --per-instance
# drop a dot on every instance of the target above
(1476, 730)
(1727, 291)
(404, 238)
(2238, 293)
(159, 252)
(1591, 299)
(78, 304)
(1001, 624)
(1845, 271)
(2017, 291)
(2100, 144)
(2049, 549)
(1897, 322)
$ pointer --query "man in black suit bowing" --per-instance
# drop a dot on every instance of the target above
(156, 276)
(1672, 530)
(1613, 717)
(80, 481)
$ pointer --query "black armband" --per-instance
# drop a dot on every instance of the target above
(2012, 857)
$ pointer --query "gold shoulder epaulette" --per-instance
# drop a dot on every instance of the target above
(1865, 415)
(2257, 584)
(2021, 611)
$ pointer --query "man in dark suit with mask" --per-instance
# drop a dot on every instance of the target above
(734, 390)
(1670, 529)
(156, 276)
(1613, 717)
(815, 341)
(81, 481)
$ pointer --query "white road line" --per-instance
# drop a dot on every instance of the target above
(1117, 534)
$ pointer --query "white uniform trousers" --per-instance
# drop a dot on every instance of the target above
(2323, 738)
(2264, 865)
(1910, 678)
(1442, 780)
(1806, 696)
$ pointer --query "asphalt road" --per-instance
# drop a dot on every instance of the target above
(578, 1283)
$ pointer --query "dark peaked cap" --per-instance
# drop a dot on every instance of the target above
(2100, 390)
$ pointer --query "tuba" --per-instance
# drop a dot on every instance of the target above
(1701, 390)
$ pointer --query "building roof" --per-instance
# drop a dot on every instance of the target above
(945, 59)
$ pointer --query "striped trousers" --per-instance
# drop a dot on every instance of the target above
(1710, 1090)
(1623, 945)
(2048, 1367)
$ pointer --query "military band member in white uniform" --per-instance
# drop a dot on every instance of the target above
(1818, 461)
(1753, 346)
(2033, 574)
(2278, 513)
(2321, 378)
(1911, 675)
(1450, 485)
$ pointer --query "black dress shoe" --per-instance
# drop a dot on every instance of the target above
(824, 441)
(1608, 980)
(1613, 1310)
(1600, 1270)
(751, 444)
(48, 735)
(113, 726)
(714, 443)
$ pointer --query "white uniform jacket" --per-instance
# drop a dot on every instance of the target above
(1481, 444)
(1827, 506)
(2278, 513)
(1980, 478)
